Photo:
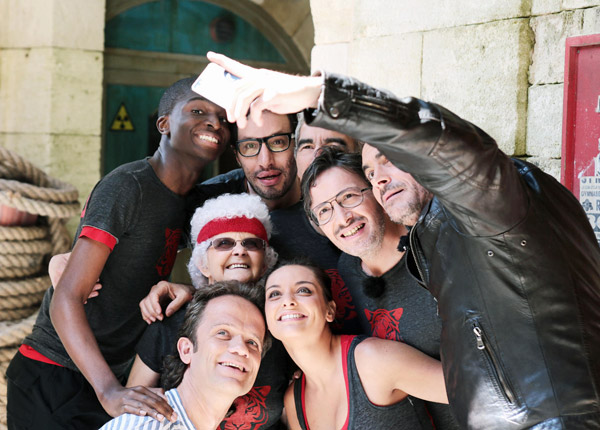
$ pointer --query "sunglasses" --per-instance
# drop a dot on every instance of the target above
(228, 243)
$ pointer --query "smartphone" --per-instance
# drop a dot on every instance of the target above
(214, 83)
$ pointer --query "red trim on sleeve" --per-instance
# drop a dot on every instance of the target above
(32, 354)
(99, 236)
(346, 341)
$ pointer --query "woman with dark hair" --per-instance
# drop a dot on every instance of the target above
(348, 382)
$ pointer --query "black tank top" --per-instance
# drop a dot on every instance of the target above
(408, 414)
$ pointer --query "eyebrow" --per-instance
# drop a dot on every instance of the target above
(327, 140)
(377, 156)
(224, 324)
(297, 283)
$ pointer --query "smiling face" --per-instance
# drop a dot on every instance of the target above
(271, 175)
(295, 303)
(237, 264)
(311, 140)
(357, 231)
(228, 346)
(401, 196)
(196, 127)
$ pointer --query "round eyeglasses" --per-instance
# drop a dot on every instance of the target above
(228, 243)
(277, 142)
(347, 198)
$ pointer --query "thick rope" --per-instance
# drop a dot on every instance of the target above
(54, 210)
(23, 233)
(28, 247)
(21, 261)
(12, 333)
(14, 287)
(17, 272)
(15, 314)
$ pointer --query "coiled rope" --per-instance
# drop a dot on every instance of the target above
(24, 251)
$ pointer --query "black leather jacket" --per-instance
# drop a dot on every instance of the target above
(508, 253)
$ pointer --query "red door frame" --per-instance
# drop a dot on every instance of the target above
(569, 102)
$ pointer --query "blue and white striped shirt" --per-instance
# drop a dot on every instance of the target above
(136, 422)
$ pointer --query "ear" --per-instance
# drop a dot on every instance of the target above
(185, 347)
(331, 308)
(162, 124)
(203, 268)
(237, 158)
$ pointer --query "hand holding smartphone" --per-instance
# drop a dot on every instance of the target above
(215, 84)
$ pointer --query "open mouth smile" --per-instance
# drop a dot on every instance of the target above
(353, 231)
(288, 317)
(238, 266)
(233, 365)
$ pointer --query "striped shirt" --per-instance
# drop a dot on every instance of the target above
(136, 422)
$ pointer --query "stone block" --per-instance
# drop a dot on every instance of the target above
(290, 14)
(480, 73)
(543, 7)
(333, 58)
(544, 121)
(388, 17)
(579, 4)
(77, 92)
(305, 38)
(548, 165)
(43, 23)
(551, 31)
(51, 90)
(392, 63)
(26, 88)
(333, 20)
(76, 160)
(35, 148)
(78, 24)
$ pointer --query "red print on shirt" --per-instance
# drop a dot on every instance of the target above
(166, 261)
(385, 324)
(250, 411)
(343, 300)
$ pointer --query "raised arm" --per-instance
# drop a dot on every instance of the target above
(68, 316)
(388, 369)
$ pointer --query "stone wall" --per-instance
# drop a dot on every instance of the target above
(51, 86)
(498, 63)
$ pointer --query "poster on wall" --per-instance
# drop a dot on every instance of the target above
(589, 196)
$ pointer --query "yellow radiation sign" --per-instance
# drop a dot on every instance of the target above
(122, 122)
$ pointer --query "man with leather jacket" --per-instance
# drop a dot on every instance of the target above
(506, 250)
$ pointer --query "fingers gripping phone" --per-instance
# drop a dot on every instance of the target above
(215, 84)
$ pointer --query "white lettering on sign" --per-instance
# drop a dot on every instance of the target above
(589, 197)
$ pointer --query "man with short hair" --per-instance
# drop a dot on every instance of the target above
(390, 304)
(70, 369)
(311, 140)
(508, 251)
(219, 349)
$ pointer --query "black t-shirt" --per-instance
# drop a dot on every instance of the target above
(404, 312)
(133, 211)
(261, 407)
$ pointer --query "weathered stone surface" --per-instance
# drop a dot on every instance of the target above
(544, 121)
(304, 38)
(548, 165)
(25, 90)
(333, 58)
(51, 90)
(551, 31)
(76, 160)
(77, 92)
(35, 148)
(333, 20)
(392, 62)
(480, 72)
(58, 23)
(577, 4)
(543, 7)
(290, 14)
(385, 17)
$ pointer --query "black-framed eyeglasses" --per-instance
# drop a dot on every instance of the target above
(228, 243)
(347, 198)
(277, 142)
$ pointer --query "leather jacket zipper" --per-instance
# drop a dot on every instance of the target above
(370, 104)
(483, 345)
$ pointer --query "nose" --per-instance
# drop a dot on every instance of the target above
(288, 300)
(265, 156)
(238, 345)
(345, 214)
(380, 177)
(238, 249)
(212, 120)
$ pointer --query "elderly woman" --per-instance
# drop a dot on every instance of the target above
(230, 235)
(348, 382)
